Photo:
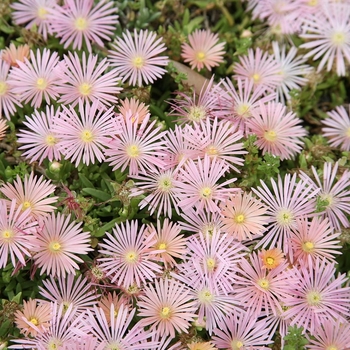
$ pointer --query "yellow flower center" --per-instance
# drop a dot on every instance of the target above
(196, 113)
(165, 184)
(41, 84)
(26, 205)
(50, 140)
(285, 217)
(162, 246)
(66, 306)
(256, 77)
(338, 38)
(270, 261)
(55, 247)
(131, 257)
(211, 264)
(138, 62)
(205, 296)
(7, 235)
(312, 2)
(85, 89)
(54, 344)
(243, 110)
(328, 198)
(264, 283)
(34, 321)
(87, 136)
(165, 312)
(212, 151)
(347, 132)
(42, 12)
(81, 23)
(270, 135)
(236, 345)
(205, 192)
(308, 247)
(332, 347)
(3, 88)
(239, 219)
(200, 56)
(133, 151)
(313, 298)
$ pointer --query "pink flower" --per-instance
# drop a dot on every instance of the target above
(138, 147)
(3, 127)
(59, 243)
(277, 131)
(129, 256)
(133, 109)
(8, 98)
(317, 297)
(198, 184)
(80, 20)
(314, 240)
(40, 141)
(137, 58)
(16, 233)
(36, 79)
(84, 136)
(166, 307)
(35, 12)
(337, 128)
(31, 195)
(334, 193)
(260, 68)
(86, 80)
(13, 53)
(328, 34)
(203, 50)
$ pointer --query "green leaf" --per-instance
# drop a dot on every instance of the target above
(85, 181)
(97, 194)
(106, 227)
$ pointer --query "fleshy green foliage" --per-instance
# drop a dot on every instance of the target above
(295, 340)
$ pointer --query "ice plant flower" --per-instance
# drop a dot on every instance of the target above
(334, 195)
(40, 141)
(203, 50)
(328, 35)
(34, 316)
(86, 79)
(106, 301)
(34, 13)
(271, 258)
(128, 255)
(35, 80)
(137, 59)
(8, 98)
(133, 109)
(278, 132)
(337, 128)
(3, 127)
(317, 297)
(12, 53)
(16, 233)
(166, 307)
(59, 243)
(83, 21)
(84, 136)
(243, 216)
(31, 194)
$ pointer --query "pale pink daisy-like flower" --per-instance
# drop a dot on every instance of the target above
(261, 289)
(137, 58)
(260, 68)
(134, 109)
(69, 291)
(16, 233)
(59, 243)
(315, 239)
(33, 13)
(3, 127)
(12, 54)
(243, 216)
(334, 193)
(287, 201)
(278, 132)
(86, 79)
(330, 336)
(166, 307)
(129, 255)
(36, 80)
(31, 194)
(241, 330)
(158, 188)
(169, 242)
(328, 35)
(40, 141)
(84, 136)
(8, 98)
(292, 70)
(240, 102)
(317, 297)
(203, 50)
(113, 299)
(34, 315)
(138, 146)
(82, 21)
(337, 128)
(198, 184)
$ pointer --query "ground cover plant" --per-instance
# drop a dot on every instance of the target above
(174, 174)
